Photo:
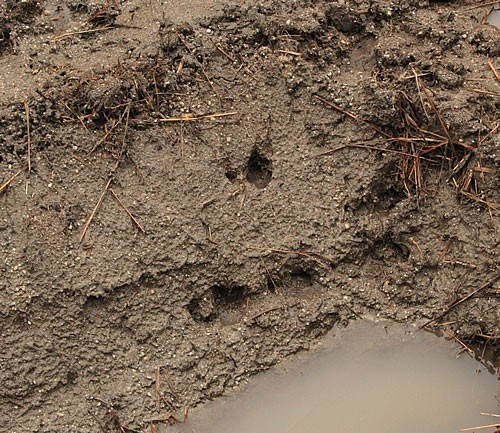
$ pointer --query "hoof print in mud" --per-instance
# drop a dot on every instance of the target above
(387, 196)
(344, 19)
(201, 309)
(224, 295)
(231, 175)
(220, 297)
(23, 11)
(382, 194)
(387, 249)
(302, 276)
(259, 169)
(298, 274)
(5, 37)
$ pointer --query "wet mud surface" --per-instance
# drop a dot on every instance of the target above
(291, 166)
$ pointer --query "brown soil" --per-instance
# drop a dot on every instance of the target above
(253, 245)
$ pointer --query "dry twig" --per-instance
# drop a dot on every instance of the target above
(322, 260)
(157, 389)
(352, 116)
(28, 130)
(490, 133)
(481, 427)
(436, 111)
(80, 32)
(94, 211)
(134, 220)
(483, 92)
(231, 58)
(292, 53)
(495, 70)
(462, 300)
(193, 118)
(464, 346)
(99, 14)
(200, 65)
(489, 3)
(9, 181)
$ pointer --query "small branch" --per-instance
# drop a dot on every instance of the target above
(96, 207)
(480, 427)
(193, 118)
(436, 111)
(490, 3)
(200, 65)
(9, 181)
(462, 300)
(81, 32)
(495, 70)
(27, 108)
(351, 115)
(134, 220)
(157, 384)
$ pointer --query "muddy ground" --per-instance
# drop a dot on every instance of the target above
(211, 123)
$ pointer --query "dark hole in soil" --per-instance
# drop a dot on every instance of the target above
(392, 197)
(385, 197)
(388, 249)
(228, 294)
(343, 19)
(231, 174)
(301, 274)
(5, 42)
(23, 11)
(271, 284)
(259, 169)
(201, 309)
(78, 6)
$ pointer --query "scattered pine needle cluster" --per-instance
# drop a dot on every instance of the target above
(422, 147)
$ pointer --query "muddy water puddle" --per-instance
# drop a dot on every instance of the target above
(380, 378)
(494, 17)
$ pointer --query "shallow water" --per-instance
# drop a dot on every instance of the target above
(494, 18)
(367, 378)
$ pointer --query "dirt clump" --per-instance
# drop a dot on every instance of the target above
(190, 194)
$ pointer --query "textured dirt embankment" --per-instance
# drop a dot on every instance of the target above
(291, 166)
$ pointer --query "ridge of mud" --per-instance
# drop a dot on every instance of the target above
(254, 246)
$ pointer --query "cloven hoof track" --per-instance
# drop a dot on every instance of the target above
(220, 297)
(259, 169)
